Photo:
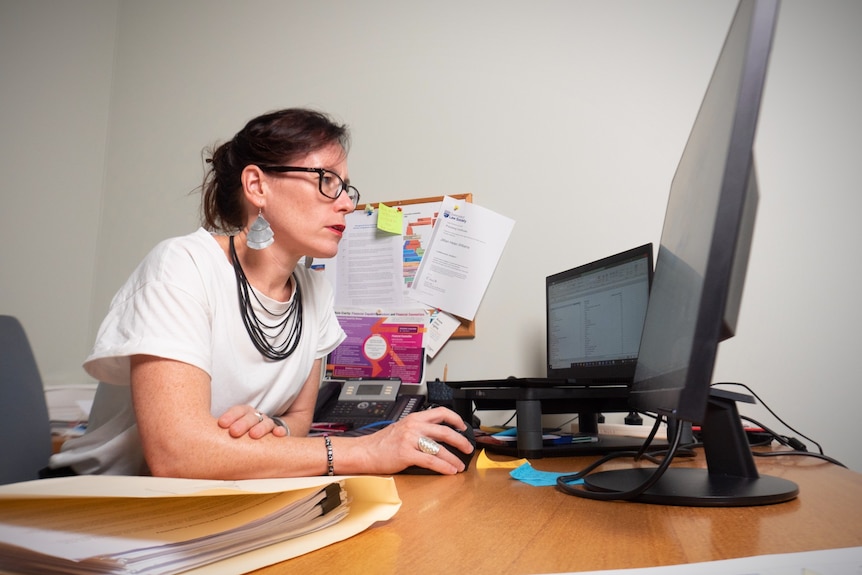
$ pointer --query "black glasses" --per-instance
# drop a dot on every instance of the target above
(329, 183)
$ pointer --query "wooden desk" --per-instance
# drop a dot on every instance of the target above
(482, 521)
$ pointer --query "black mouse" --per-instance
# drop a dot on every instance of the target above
(464, 457)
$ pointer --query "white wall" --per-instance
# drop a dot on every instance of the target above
(568, 116)
(56, 59)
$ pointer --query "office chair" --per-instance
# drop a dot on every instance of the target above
(25, 428)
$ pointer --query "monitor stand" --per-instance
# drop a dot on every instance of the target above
(730, 480)
(531, 446)
(530, 402)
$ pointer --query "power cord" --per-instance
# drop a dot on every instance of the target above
(563, 482)
(675, 450)
(775, 415)
(790, 442)
(798, 453)
(797, 447)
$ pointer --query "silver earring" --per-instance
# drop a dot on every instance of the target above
(260, 233)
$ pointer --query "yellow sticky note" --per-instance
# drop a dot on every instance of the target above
(484, 462)
(389, 219)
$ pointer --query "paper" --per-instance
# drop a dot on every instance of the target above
(78, 529)
(121, 508)
(528, 474)
(419, 220)
(368, 271)
(466, 244)
(381, 344)
(485, 462)
(379, 256)
(440, 329)
(389, 219)
(69, 403)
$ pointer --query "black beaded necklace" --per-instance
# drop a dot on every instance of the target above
(263, 335)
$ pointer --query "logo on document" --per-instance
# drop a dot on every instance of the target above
(454, 217)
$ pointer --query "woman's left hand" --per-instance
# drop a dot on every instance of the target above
(244, 419)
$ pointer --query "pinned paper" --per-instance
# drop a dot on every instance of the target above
(390, 219)
(439, 331)
(461, 255)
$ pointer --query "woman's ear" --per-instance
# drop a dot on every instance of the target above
(253, 185)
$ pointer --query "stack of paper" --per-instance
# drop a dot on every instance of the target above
(103, 524)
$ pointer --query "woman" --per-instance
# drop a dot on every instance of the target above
(210, 356)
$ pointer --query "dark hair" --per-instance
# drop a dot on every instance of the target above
(271, 139)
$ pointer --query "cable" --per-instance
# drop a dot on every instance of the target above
(508, 421)
(563, 480)
(792, 443)
(798, 453)
(775, 435)
(567, 422)
(648, 441)
(380, 424)
(797, 448)
(763, 403)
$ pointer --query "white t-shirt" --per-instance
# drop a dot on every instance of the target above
(181, 303)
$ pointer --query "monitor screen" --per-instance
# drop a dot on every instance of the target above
(595, 314)
(697, 288)
(708, 225)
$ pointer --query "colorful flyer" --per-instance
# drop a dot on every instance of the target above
(381, 344)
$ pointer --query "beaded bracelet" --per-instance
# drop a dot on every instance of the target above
(331, 467)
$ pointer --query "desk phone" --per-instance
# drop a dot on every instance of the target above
(363, 401)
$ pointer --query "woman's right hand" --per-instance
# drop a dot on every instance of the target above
(242, 419)
(397, 446)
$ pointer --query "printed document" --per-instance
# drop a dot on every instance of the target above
(465, 247)
(368, 268)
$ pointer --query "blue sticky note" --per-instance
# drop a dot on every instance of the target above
(531, 476)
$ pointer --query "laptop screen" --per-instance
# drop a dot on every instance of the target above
(595, 315)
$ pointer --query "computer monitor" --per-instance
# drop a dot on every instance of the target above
(594, 316)
(697, 288)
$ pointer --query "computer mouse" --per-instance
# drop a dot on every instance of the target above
(464, 457)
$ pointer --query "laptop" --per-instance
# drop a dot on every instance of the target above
(594, 318)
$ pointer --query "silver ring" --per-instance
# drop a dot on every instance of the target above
(259, 416)
(428, 446)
